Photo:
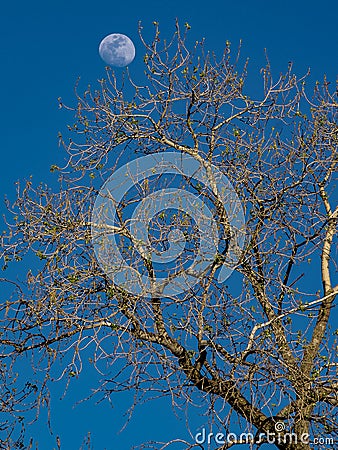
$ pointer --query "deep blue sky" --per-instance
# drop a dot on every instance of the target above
(45, 46)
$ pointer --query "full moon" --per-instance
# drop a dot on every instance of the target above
(117, 50)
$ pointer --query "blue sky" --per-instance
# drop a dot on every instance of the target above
(46, 46)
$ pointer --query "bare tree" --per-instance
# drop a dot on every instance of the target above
(259, 349)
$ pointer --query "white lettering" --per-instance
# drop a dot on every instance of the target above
(200, 434)
(219, 438)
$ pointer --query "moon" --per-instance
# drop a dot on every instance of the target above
(117, 50)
